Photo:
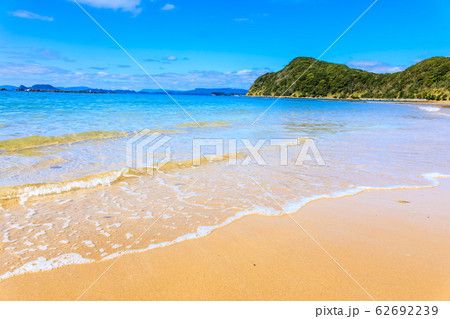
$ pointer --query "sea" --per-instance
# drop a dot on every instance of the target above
(90, 177)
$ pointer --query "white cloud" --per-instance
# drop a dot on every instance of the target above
(14, 70)
(375, 66)
(33, 53)
(243, 72)
(167, 59)
(125, 5)
(30, 15)
(168, 7)
(29, 74)
(209, 79)
(241, 19)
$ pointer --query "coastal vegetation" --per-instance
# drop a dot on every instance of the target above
(428, 79)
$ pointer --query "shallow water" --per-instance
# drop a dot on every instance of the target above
(67, 196)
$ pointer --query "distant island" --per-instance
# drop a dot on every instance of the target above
(202, 91)
(428, 79)
(84, 89)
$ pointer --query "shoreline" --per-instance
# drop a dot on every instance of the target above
(15, 287)
(35, 264)
(74, 259)
(444, 103)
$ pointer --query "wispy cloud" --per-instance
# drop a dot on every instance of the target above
(210, 79)
(252, 17)
(33, 53)
(29, 74)
(167, 59)
(241, 19)
(124, 5)
(23, 70)
(46, 54)
(30, 15)
(151, 60)
(375, 66)
(168, 7)
(97, 68)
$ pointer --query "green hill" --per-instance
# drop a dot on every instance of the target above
(428, 79)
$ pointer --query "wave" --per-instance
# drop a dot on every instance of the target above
(18, 145)
(429, 108)
(23, 192)
(197, 161)
(289, 209)
(41, 264)
(205, 124)
(433, 109)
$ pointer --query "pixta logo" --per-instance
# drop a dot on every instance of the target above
(143, 146)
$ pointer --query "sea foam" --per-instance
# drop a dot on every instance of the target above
(42, 264)
(429, 108)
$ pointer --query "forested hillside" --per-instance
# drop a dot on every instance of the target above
(428, 79)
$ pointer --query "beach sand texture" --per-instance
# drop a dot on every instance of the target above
(394, 244)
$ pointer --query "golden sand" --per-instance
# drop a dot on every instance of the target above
(395, 244)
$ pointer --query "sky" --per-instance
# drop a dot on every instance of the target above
(228, 43)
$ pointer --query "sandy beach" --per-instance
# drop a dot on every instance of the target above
(390, 245)
(441, 103)
(169, 152)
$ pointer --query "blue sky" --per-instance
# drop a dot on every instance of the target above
(188, 44)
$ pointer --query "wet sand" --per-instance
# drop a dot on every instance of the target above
(442, 103)
(394, 250)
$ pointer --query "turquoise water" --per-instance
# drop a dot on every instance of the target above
(52, 114)
(27, 114)
(71, 199)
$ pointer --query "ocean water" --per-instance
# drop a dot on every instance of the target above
(68, 195)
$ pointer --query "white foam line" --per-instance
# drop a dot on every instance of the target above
(42, 264)
(433, 109)
(203, 231)
(431, 177)
(429, 108)
(58, 188)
